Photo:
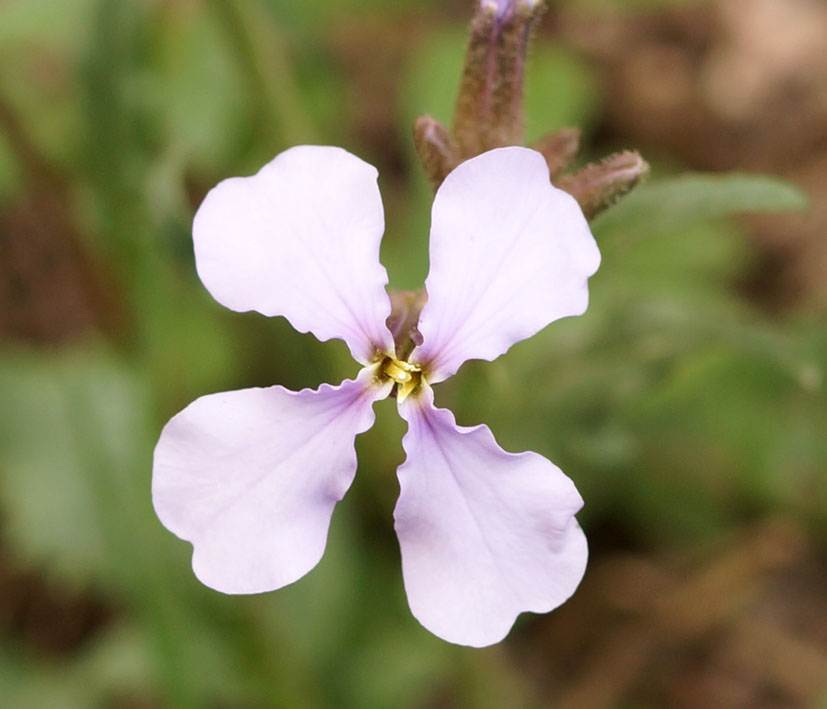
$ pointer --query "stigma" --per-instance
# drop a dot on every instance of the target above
(405, 375)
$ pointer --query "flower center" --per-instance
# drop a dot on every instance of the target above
(406, 375)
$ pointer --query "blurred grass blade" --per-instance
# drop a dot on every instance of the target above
(674, 202)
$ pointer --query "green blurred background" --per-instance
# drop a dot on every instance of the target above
(688, 404)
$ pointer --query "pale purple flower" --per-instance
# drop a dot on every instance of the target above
(251, 477)
(502, 7)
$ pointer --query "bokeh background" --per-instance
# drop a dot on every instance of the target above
(688, 404)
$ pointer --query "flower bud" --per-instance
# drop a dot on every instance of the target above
(489, 109)
(436, 148)
(489, 114)
(406, 305)
(598, 186)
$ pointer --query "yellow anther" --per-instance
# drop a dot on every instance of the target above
(405, 374)
(397, 373)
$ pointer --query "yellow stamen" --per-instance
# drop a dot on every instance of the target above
(405, 374)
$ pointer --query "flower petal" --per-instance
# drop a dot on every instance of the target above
(485, 535)
(301, 239)
(251, 477)
(510, 253)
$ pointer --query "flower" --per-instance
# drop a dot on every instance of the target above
(251, 477)
(502, 7)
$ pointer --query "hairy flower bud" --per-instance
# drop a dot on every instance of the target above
(489, 113)
(598, 186)
(436, 148)
(489, 109)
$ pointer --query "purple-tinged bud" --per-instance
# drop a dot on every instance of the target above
(489, 109)
(597, 186)
(503, 7)
(436, 148)
(406, 305)
(489, 114)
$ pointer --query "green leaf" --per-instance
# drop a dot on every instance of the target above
(74, 444)
(674, 202)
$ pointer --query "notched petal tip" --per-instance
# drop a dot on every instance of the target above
(300, 238)
(509, 254)
(251, 478)
(485, 535)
